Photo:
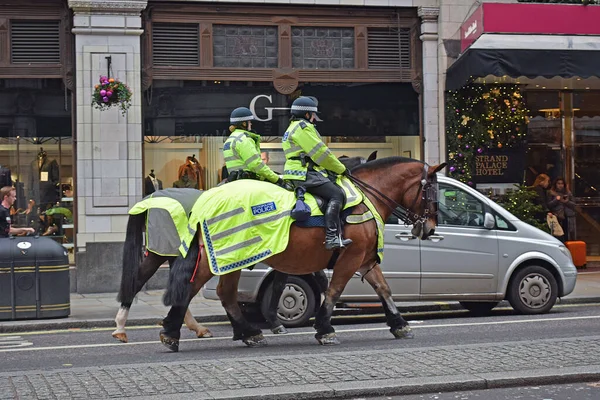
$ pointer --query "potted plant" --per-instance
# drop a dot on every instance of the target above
(111, 92)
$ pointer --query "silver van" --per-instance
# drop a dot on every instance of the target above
(480, 254)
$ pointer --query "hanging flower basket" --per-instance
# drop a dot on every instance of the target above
(111, 92)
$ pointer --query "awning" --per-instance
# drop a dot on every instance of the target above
(526, 55)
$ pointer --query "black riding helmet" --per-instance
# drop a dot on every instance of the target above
(303, 105)
(239, 116)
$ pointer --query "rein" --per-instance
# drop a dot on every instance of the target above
(405, 214)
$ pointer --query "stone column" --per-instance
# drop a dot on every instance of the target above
(109, 145)
(431, 107)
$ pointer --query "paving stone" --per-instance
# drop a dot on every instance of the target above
(274, 374)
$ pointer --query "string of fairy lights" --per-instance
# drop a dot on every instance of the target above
(481, 117)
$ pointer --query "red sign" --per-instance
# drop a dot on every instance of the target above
(530, 18)
(471, 29)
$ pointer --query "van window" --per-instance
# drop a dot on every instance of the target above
(502, 224)
(459, 208)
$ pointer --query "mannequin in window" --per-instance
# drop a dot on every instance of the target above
(44, 180)
(194, 172)
(152, 184)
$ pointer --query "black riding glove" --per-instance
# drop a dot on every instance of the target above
(285, 184)
(347, 173)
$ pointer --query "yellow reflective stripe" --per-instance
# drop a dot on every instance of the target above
(323, 156)
(249, 160)
(359, 218)
(315, 149)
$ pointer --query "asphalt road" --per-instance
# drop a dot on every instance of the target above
(28, 351)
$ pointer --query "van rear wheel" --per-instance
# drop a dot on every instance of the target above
(532, 290)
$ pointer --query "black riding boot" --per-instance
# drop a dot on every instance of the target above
(333, 231)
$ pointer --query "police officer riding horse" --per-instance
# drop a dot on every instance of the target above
(242, 151)
(310, 164)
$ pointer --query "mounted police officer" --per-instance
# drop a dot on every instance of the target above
(310, 163)
(242, 150)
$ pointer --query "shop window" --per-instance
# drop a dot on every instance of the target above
(36, 156)
(175, 44)
(241, 46)
(389, 48)
(322, 48)
(544, 135)
(35, 42)
(586, 124)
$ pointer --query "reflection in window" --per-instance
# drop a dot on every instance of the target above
(586, 108)
(544, 135)
(322, 48)
(242, 46)
(457, 207)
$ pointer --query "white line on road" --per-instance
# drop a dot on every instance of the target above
(13, 342)
(424, 326)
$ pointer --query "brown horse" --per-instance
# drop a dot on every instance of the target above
(390, 184)
(137, 271)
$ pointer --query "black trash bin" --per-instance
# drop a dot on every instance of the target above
(34, 279)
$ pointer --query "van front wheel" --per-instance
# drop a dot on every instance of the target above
(532, 290)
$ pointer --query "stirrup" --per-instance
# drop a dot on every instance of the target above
(337, 243)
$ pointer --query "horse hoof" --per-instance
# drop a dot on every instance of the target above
(170, 343)
(256, 341)
(403, 333)
(120, 336)
(280, 330)
(328, 339)
(204, 333)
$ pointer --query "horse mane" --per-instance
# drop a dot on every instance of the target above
(384, 162)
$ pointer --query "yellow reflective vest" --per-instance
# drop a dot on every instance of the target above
(301, 142)
(242, 153)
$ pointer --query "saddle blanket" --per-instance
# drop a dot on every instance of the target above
(167, 218)
(247, 221)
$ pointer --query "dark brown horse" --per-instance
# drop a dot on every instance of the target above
(137, 270)
(391, 184)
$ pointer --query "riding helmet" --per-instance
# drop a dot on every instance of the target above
(241, 114)
(303, 105)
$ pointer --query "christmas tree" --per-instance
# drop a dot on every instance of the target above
(519, 202)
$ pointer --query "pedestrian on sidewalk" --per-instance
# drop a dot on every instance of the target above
(562, 204)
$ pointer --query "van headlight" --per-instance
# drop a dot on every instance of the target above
(565, 251)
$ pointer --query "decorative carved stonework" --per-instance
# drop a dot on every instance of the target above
(428, 13)
(109, 6)
(417, 86)
(285, 81)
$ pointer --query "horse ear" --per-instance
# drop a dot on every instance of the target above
(437, 168)
(372, 156)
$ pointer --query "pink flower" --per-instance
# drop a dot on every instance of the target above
(109, 93)
(105, 99)
(103, 93)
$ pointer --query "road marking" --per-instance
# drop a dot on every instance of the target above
(424, 326)
(13, 342)
(335, 317)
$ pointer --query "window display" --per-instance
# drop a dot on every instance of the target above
(36, 156)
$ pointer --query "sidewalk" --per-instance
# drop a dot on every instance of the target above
(328, 375)
(99, 310)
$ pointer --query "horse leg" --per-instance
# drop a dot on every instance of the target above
(398, 325)
(325, 333)
(279, 283)
(147, 268)
(242, 329)
(171, 332)
(192, 324)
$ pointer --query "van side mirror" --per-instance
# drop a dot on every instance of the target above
(489, 221)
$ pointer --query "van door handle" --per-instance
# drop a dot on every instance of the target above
(405, 236)
(435, 238)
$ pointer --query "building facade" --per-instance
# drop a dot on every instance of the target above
(379, 69)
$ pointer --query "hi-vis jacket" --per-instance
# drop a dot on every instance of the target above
(302, 141)
(242, 153)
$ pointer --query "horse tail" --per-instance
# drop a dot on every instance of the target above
(179, 286)
(132, 257)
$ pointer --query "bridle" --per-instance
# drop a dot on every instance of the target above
(428, 194)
